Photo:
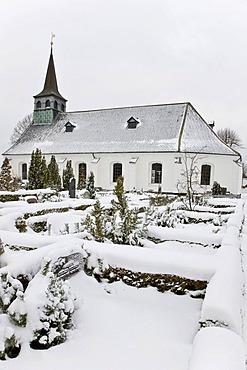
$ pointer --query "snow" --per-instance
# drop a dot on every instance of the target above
(217, 349)
(121, 327)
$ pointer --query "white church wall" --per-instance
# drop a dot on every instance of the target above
(136, 169)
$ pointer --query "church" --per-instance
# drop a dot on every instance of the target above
(148, 145)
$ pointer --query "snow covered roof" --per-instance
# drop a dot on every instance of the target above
(161, 128)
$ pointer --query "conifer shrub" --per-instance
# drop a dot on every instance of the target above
(8, 290)
(96, 222)
(216, 188)
(10, 346)
(53, 177)
(90, 186)
(21, 225)
(17, 310)
(67, 175)
(123, 221)
(7, 181)
(37, 174)
(56, 314)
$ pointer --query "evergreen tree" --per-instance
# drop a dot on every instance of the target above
(128, 218)
(90, 185)
(216, 188)
(37, 174)
(53, 177)
(96, 222)
(44, 174)
(7, 181)
(82, 177)
(56, 316)
(67, 175)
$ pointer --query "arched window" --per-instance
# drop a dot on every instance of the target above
(47, 104)
(117, 171)
(55, 104)
(205, 174)
(156, 173)
(62, 107)
(38, 105)
(82, 178)
(24, 171)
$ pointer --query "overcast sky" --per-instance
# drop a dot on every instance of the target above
(111, 53)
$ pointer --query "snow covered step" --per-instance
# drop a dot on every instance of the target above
(216, 349)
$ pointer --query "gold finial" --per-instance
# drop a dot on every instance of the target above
(52, 37)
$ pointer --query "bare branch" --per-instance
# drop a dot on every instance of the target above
(21, 126)
(230, 137)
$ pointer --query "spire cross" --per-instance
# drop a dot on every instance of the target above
(52, 37)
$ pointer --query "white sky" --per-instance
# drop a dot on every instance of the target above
(111, 53)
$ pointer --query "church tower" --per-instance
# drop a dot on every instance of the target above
(49, 102)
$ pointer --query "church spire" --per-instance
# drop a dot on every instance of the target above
(49, 102)
(50, 85)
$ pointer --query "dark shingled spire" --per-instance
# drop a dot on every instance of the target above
(50, 86)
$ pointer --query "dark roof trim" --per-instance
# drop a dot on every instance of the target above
(182, 127)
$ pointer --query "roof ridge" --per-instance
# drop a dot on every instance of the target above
(124, 107)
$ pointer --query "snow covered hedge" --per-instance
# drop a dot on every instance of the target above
(217, 348)
(222, 305)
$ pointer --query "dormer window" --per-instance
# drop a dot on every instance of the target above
(69, 127)
(132, 122)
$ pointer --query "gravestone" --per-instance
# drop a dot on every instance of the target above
(72, 187)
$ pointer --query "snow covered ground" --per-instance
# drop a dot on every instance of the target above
(118, 326)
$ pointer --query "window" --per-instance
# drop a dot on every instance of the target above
(47, 104)
(62, 107)
(69, 127)
(132, 122)
(24, 171)
(38, 105)
(55, 104)
(82, 176)
(156, 173)
(205, 174)
(117, 171)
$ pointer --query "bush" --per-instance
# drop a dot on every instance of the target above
(56, 315)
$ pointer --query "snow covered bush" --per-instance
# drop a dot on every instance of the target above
(169, 218)
(96, 222)
(21, 225)
(216, 188)
(8, 290)
(119, 224)
(9, 344)
(124, 221)
(17, 310)
(55, 316)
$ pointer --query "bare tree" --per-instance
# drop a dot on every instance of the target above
(189, 181)
(21, 126)
(230, 137)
